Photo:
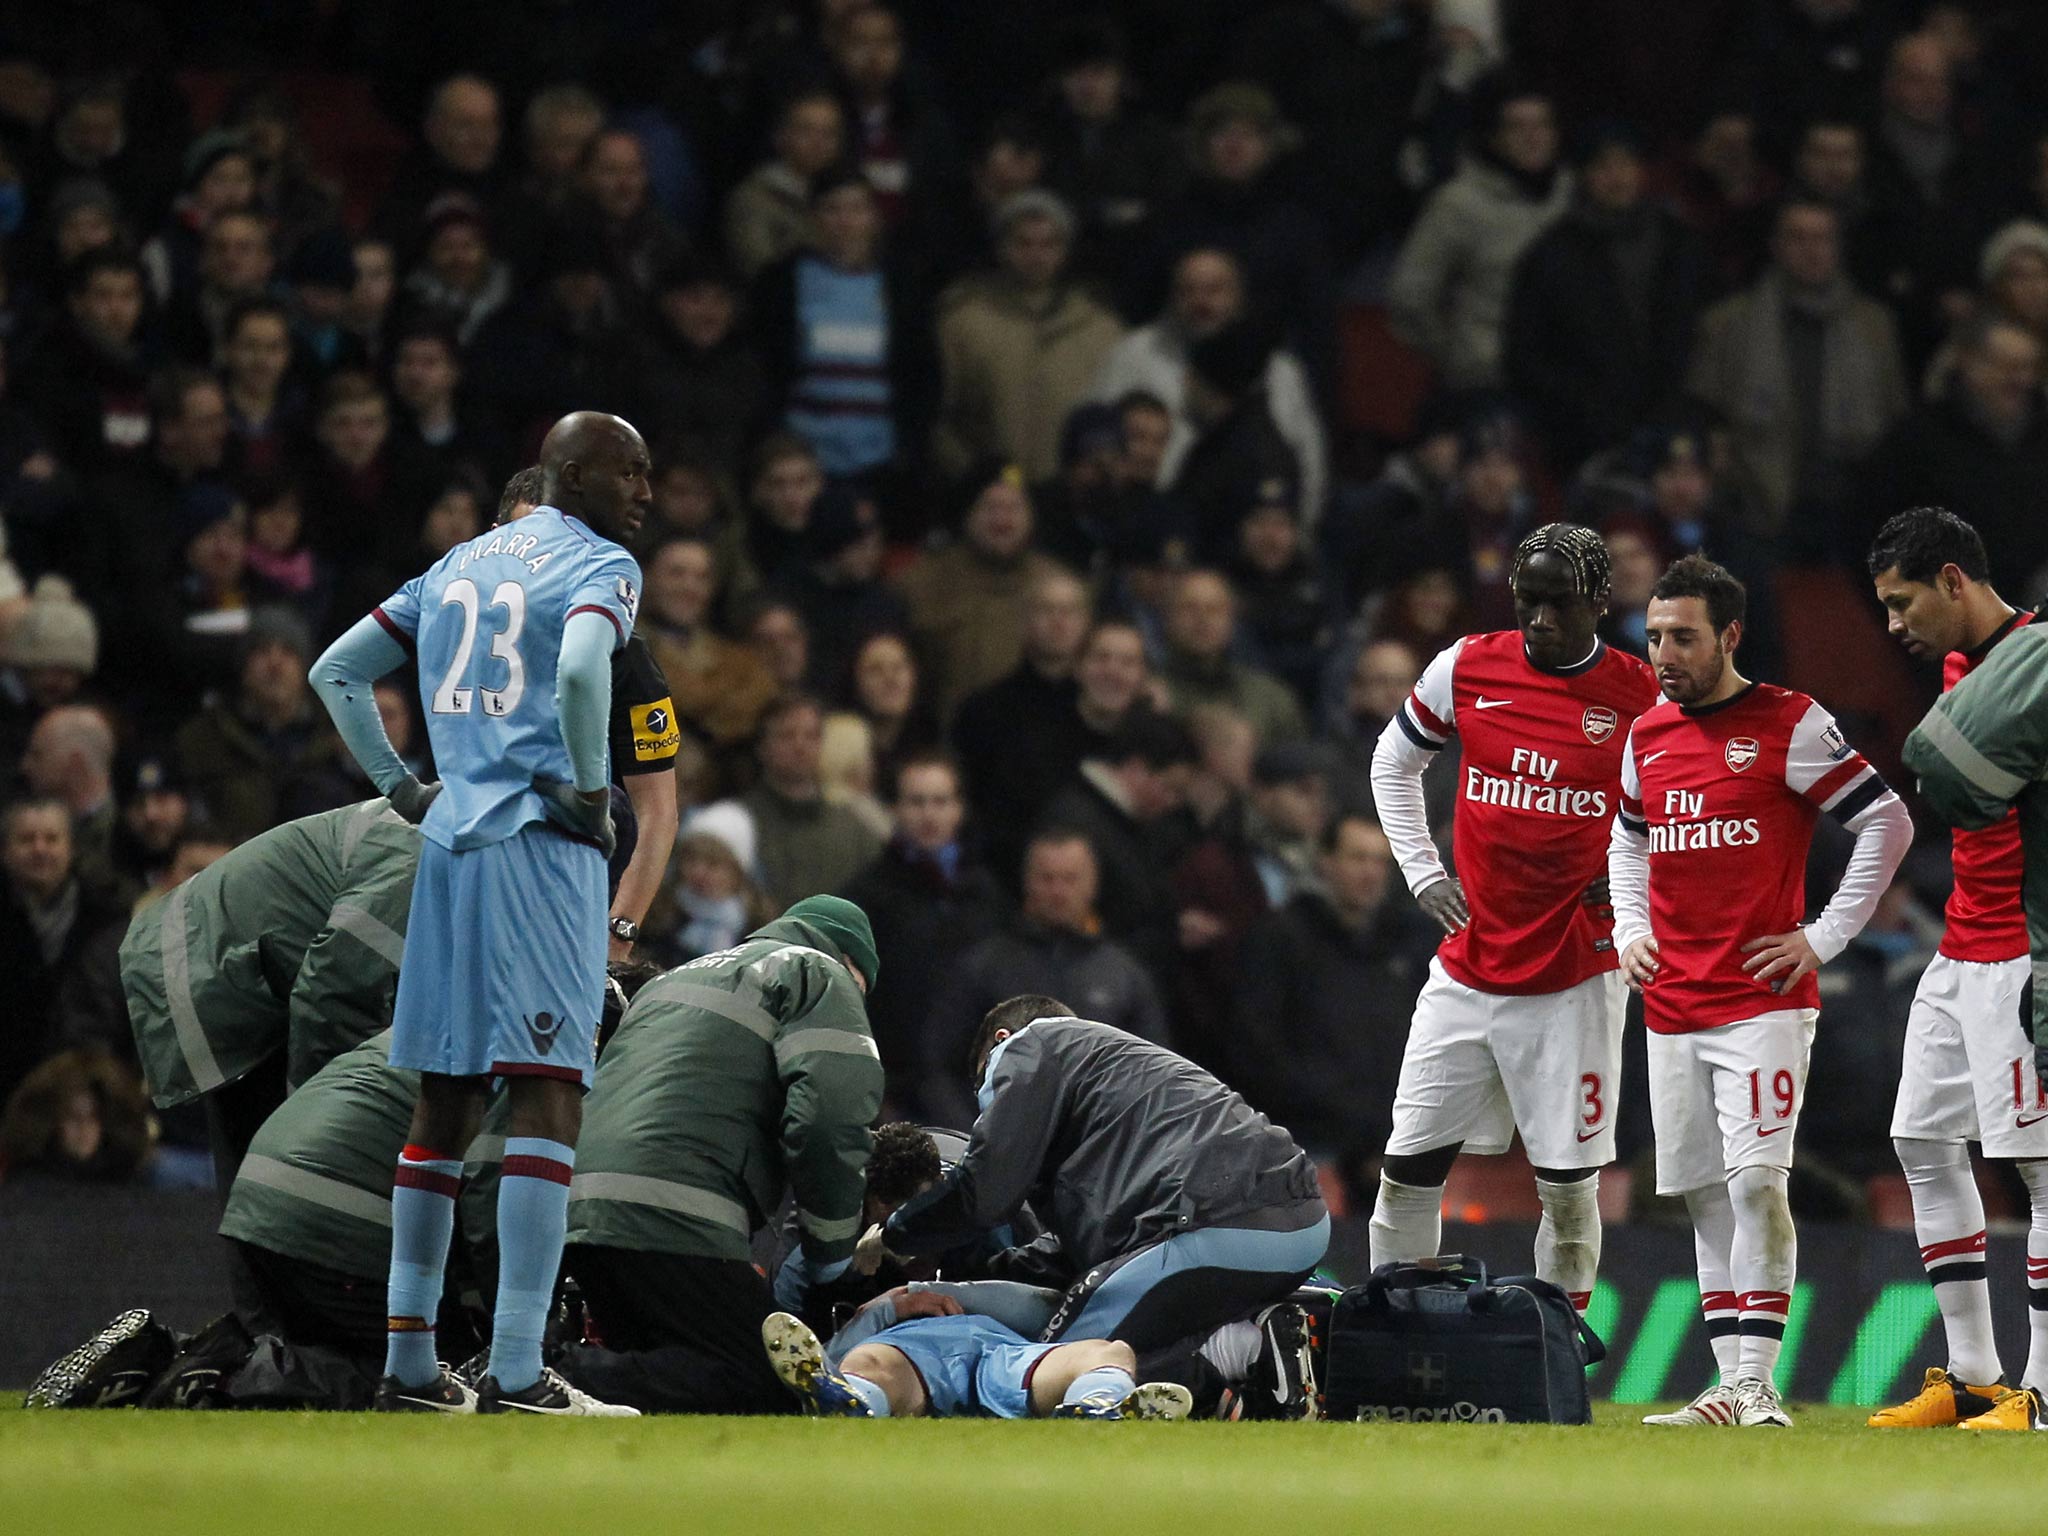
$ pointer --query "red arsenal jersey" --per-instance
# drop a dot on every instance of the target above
(1985, 919)
(1539, 777)
(1729, 794)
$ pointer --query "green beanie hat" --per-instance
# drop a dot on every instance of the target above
(845, 924)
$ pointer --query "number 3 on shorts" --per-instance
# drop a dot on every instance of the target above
(1784, 1090)
(1595, 1108)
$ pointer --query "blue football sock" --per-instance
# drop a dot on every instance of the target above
(423, 1195)
(533, 1213)
(876, 1399)
(1112, 1379)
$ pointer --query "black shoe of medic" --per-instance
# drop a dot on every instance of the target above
(444, 1394)
(550, 1395)
(112, 1369)
(197, 1377)
(1282, 1383)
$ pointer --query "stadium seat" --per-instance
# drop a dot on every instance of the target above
(1836, 649)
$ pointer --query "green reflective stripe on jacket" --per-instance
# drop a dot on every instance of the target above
(291, 942)
(732, 1080)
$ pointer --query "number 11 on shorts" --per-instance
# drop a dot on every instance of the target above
(1783, 1090)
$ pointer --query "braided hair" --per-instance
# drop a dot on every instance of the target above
(1577, 546)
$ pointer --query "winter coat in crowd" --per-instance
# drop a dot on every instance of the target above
(967, 617)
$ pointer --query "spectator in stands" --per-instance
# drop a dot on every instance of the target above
(1111, 160)
(279, 566)
(1208, 296)
(2014, 273)
(1448, 294)
(81, 1115)
(885, 696)
(967, 601)
(640, 236)
(776, 633)
(1018, 347)
(1240, 455)
(368, 310)
(89, 374)
(706, 368)
(462, 131)
(1325, 989)
(91, 136)
(839, 585)
(806, 845)
(266, 410)
(220, 177)
(718, 686)
(157, 816)
(1123, 802)
(47, 655)
(1831, 166)
(367, 493)
(1371, 530)
(1056, 935)
(709, 904)
(426, 380)
(60, 938)
(1602, 308)
(1383, 674)
(1927, 185)
(963, 238)
(930, 902)
(1724, 188)
(266, 753)
(1238, 201)
(70, 758)
(1983, 445)
(560, 122)
(1022, 737)
(236, 262)
(1287, 608)
(293, 195)
(1201, 630)
(838, 328)
(1350, 74)
(1806, 370)
(898, 139)
(768, 215)
(459, 281)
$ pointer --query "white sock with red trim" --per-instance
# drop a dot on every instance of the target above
(1713, 1236)
(1948, 1223)
(1407, 1222)
(1762, 1261)
(2036, 1175)
(1568, 1237)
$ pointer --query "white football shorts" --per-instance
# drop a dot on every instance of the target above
(1968, 1072)
(1480, 1066)
(1728, 1097)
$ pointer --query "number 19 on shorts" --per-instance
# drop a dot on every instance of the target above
(1783, 1093)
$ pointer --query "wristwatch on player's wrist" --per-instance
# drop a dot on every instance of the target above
(625, 930)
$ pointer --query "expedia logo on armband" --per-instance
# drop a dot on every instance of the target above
(656, 736)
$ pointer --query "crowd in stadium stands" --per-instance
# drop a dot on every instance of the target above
(1076, 423)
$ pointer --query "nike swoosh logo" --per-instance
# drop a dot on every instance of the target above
(1772, 1131)
(2030, 1120)
(1585, 1136)
(1490, 703)
(1650, 757)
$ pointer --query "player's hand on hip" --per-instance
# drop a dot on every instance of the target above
(1598, 898)
(587, 814)
(1445, 903)
(911, 1302)
(412, 799)
(1639, 962)
(1782, 959)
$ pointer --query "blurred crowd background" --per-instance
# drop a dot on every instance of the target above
(1075, 423)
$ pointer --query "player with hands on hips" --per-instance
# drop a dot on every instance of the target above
(1519, 1025)
(1721, 786)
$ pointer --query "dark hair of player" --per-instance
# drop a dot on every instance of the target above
(1579, 547)
(1011, 1014)
(1921, 540)
(1696, 576)
(529, 486)
(905, 1160)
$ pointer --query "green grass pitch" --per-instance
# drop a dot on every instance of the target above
(301, 1474)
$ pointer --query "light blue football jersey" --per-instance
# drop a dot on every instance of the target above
(486, 625)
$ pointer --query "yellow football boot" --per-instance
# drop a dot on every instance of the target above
(2013, 1408)
(1943, 1401)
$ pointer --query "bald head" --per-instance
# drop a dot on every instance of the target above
(70, 757)
(595, 467)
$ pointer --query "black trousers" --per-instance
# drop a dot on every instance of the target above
(235, 1112)
(307, 1304)
(681, 1334)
